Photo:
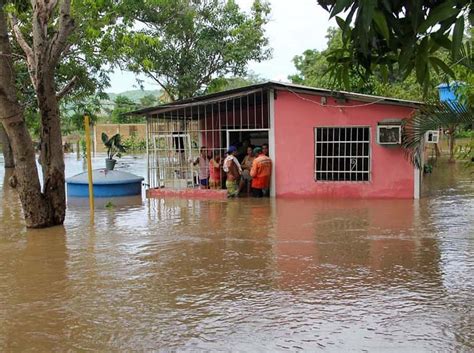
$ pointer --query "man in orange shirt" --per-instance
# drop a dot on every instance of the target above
(261, 172)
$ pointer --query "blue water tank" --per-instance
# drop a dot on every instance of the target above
(106, 183)
(447, 91)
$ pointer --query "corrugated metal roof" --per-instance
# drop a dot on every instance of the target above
(236, 92)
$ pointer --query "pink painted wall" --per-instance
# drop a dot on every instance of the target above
(295, 119)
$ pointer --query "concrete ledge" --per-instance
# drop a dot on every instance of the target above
(200, 194)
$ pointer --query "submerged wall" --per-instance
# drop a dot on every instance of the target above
(296, 117)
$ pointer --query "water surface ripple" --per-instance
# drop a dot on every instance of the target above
(244, 275)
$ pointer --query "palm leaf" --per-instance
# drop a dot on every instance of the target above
(432, 117)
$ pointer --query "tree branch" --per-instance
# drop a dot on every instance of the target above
(50, 7)
(30, 57)
(19, 37)
(67, 88)
(65, 28)
(161, 84)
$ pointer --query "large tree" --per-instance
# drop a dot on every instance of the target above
(43, 50)
(59, 54)
(313, 69)
(185, 44)
(408, 33)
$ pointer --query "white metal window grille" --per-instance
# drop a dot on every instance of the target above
(342, 154)
(176, 134)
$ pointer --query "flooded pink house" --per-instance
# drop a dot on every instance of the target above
(323, 143)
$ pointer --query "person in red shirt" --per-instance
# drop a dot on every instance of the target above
(261, 172)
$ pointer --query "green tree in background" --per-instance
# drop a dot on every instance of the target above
(226, 83)
(148, 101)
(122, 105)
(377, 35)
(184, 45)
(313, 69)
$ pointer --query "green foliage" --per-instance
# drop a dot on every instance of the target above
(124, 105)
(114, 145)
(313, 68)
(186, 44)
(148, 101)
(433, 117)
(464, 134)
(32, 119)
(465, 152)
(135, 144)
(226, 83)
(109, 205)
(83, 145)
(428, 168)
(87, 62)
(72, 119)
(381, 34)
(135, 95)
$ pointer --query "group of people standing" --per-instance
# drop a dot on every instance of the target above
(246, 168)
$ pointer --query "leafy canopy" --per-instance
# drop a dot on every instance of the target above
(403, 32)
(122, 105)
(313, 66)
(183, 45)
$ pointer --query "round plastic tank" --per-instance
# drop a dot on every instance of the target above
(107, 183)
(448, 91)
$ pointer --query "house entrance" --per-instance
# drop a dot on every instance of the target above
(256, 137)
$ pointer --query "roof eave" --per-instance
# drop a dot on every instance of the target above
(282, 86)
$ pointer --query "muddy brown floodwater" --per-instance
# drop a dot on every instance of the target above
(243, 275)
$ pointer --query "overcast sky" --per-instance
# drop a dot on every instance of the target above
(294, 26)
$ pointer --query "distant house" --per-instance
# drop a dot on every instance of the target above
(323, 143)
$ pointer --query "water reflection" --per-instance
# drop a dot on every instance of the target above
(243, 275)
(34, 287)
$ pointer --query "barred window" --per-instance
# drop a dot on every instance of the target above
(342, 153)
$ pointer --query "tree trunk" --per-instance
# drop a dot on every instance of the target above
(51, 148)
(6, 149)
(451, 143)
(38, 208)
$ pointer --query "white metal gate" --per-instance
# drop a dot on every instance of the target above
(172, 154)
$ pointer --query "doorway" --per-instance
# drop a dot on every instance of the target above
(235, 137)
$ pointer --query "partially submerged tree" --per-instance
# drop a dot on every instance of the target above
(41, 207)
(60, 54)
(6, 149)
(186, 44)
